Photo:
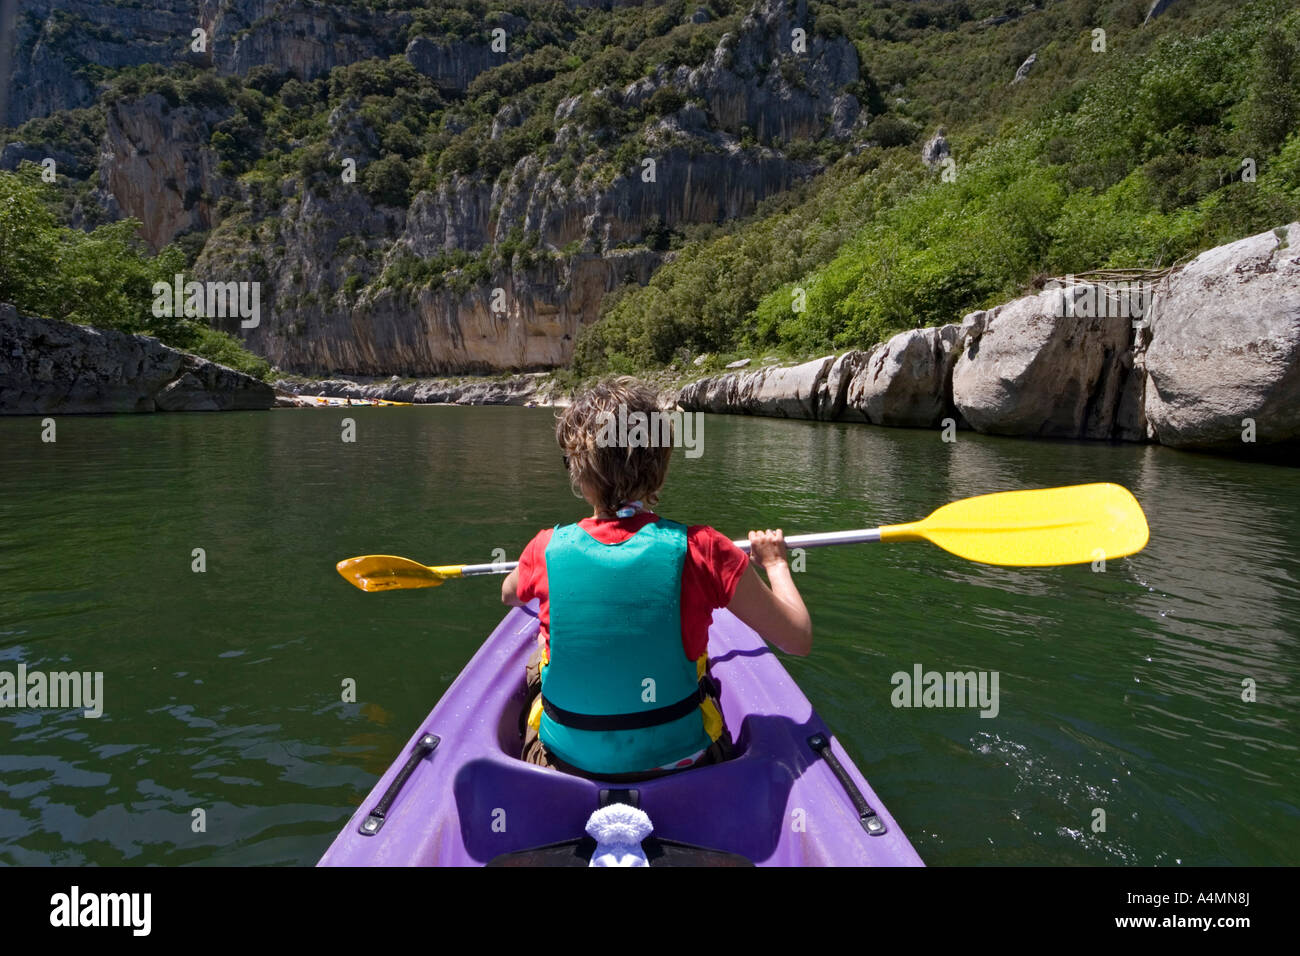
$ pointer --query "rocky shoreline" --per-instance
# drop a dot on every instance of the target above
(1207, 357)
(534, 388)
(49, 367)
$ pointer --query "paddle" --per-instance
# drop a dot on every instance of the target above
(1048, 526)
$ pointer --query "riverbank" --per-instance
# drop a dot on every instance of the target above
(1206, 356)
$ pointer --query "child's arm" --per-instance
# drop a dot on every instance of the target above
(777, 613)
(510, 589)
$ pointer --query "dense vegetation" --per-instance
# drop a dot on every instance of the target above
(1128, 158)
(103, 277)
(273, 127)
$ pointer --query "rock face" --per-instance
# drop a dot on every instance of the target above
(451, 67)
(1038, 371)
(813, 390)
(589, 231)
(55, 39)
(1024, 69)
(1225, 346)
(1213, 362)
(157, 167)
(745, 86)
(51, 38)
(49, 367)
(907, 381)
(531, 324)
(313, 38)
(935, 150)
(531, 389)
(320, 251)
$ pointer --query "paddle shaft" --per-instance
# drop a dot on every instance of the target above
(821, 540)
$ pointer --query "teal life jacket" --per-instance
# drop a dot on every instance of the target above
(619, 695)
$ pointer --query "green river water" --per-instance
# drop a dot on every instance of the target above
(1119, 690)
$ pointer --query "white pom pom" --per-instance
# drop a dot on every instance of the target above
(619, 823)
(618, 830)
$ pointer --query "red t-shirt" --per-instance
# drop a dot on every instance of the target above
(712, 570)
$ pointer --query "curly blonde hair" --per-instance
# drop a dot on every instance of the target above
(613, 474)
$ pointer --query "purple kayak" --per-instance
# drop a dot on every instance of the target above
(459, 796)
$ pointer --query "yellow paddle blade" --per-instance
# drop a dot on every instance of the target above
(1049, 526)
(385, 572)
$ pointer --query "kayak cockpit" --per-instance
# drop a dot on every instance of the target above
(471, 800)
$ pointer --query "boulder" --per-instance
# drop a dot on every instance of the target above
(714, 394)
(777, 391)
(1157, 7)
(1025, 68)
(905, 381)
(1038, 372)
(185, 394)
(205, 386)
(53, 367)
(935, 150)
(835, 390)
(1225, 346)
(785, 391)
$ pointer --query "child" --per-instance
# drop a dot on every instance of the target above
(618, 687)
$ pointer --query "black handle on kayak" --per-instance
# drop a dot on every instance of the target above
(821, 745)
(375, 820)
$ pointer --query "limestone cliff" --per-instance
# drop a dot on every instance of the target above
(548, 236)
(157, 166)
(587, 231)
(61, 47)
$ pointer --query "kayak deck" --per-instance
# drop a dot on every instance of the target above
(471, 800)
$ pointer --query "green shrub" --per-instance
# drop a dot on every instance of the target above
(387, 181)
(892, 130)
(1136, 165)
(1273, 108)
(102, 278)
(665, 100)
(223, 349)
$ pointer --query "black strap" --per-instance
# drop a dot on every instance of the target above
(636, 721)
(374, 821)
(821, 745)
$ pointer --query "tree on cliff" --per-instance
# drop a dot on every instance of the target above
(102, 278)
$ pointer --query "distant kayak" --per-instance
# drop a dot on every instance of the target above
(326, 401)
(458, 794)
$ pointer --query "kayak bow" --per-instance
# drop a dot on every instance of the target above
(458, 794)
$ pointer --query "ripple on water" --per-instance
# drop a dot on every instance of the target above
(1120, 691)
